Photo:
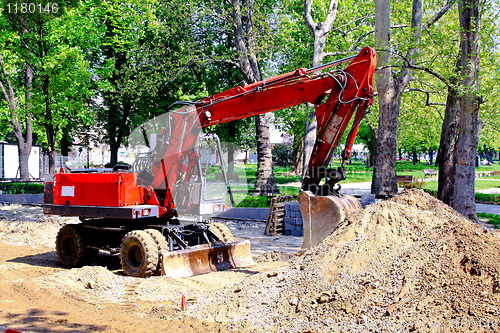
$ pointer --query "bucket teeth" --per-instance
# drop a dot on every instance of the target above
(322, 215)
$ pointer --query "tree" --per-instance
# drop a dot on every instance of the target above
(243, 24)
(390, 91)
(446, 152)
(47, 45)
(24, 136)
(391, 88)
(319, 30)
(19, 116)
(469, 124)
(122, 24)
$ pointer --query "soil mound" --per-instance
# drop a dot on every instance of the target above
(409, 263)
(27, 225)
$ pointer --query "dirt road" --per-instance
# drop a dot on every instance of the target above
(37, 295)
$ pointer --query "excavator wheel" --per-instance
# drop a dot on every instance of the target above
(161, 243)
(139, 254)
(71, 248)
(222, 232)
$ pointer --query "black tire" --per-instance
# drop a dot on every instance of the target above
(71, 248)
(222, 232)
(139, 254)
(161, 243)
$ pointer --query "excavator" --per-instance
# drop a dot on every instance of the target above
(135, 213)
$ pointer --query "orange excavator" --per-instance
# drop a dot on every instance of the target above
(135, 213)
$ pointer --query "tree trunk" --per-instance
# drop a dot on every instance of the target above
(488, 153)
(390, 91)
(247, 59)
(371, 146)
(65, 143)
(113, 148)
(49, 127)
(230, 160)
(309, 139)
(446, 152)
(319, 30)
(469, 124)
(384, 173)
(264, 178)
(24, 143)
(298, 153)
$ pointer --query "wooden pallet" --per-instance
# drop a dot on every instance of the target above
(276, 216)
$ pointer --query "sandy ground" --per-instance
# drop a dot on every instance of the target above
(40, 296)
(408, 264)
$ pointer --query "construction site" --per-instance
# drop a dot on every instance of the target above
(409, 263)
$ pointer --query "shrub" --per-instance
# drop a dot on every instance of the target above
(483, 197)
(22, 188)
(282, 155)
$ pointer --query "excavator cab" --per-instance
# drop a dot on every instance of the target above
(200, 192)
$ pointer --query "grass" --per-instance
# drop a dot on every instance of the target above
(481, 184)
(488, 198)
(357, 171)
(492, 219)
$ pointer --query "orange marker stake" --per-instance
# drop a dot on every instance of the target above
(183, 302)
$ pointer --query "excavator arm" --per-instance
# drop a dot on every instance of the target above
(336, 95)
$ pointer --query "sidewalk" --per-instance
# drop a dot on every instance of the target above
(488, 209)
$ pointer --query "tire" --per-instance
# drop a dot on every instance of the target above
(222, 232)
(71, 248)
(139, 254)
(161, 243)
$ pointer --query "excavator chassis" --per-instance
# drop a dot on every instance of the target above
(145, 250)
(145, 242)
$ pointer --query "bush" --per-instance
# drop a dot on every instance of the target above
(415, 184)
(282, 155)
(22, 188)
(489, 198)
(108, 165)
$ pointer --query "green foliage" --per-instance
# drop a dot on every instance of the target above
(60, 88)
(21, 188)
(283, 155)
(491, 218)
(488, 198)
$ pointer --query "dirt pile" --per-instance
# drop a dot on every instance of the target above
(410, 263)
(27, 225)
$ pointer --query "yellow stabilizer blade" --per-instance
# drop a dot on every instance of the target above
(205, 259)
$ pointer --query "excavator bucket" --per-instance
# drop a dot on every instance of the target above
(322, 215)
(207, 258)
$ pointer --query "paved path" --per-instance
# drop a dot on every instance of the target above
(488, 209)
(495, 190)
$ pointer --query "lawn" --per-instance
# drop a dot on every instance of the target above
(491, 218)
(357, 171)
